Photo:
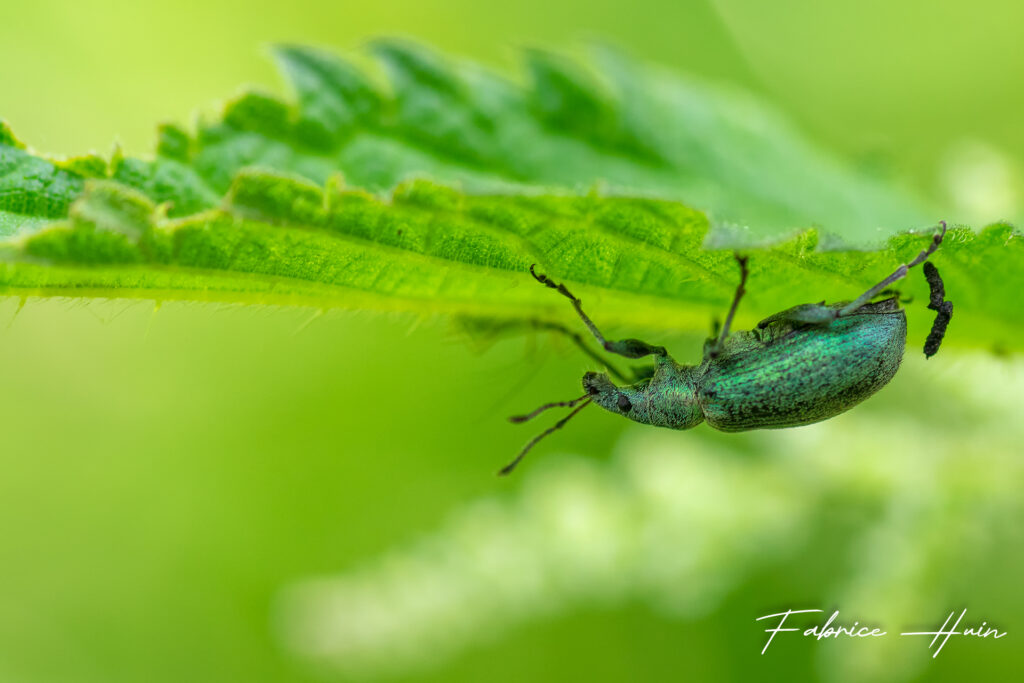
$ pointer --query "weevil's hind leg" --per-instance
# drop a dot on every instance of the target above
(577, 339)
(808, 314)
(716, 328)
(893, 293)
(899, 274)
(716, 348)
(629, 348)
(938, 303)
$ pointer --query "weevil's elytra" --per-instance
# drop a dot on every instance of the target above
(808, 374)
(800, 366)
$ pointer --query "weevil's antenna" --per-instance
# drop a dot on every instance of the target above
(558, 404)
(533, 442)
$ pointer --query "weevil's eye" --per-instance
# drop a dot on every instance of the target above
(624, 404)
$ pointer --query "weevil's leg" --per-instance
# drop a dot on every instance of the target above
(810, 314)
(712, 341)
(716, 348)
(900, 273)
(939, 304)
(716, 327)
(893, 292)
(630, 348)
(577, 339)
(643, 372)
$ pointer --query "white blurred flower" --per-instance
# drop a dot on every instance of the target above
(678, 521)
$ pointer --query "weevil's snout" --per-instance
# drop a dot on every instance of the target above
(605, 394)
(597, 383)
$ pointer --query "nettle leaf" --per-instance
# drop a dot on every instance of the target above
(635, 130)
(279, 239)
(631, 184)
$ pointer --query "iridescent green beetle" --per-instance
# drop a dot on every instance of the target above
(803, 365)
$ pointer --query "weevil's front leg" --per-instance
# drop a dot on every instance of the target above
(577, 339)
(630, 348)
(900, 273)
(716, 348)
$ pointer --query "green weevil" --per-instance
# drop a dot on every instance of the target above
(803, 365)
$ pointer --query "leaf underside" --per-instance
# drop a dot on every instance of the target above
(634, 190)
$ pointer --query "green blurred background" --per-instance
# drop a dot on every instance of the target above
(166, 476)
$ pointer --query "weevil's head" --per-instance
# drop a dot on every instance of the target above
(671, 403)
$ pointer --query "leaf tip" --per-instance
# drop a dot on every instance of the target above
(7, 136)
(409, 63)
(173, 142)
(333, 94)
(260, 113)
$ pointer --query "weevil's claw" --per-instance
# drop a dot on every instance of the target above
(937, 239)
(558, 287)
(742, 260)
(541, 278)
